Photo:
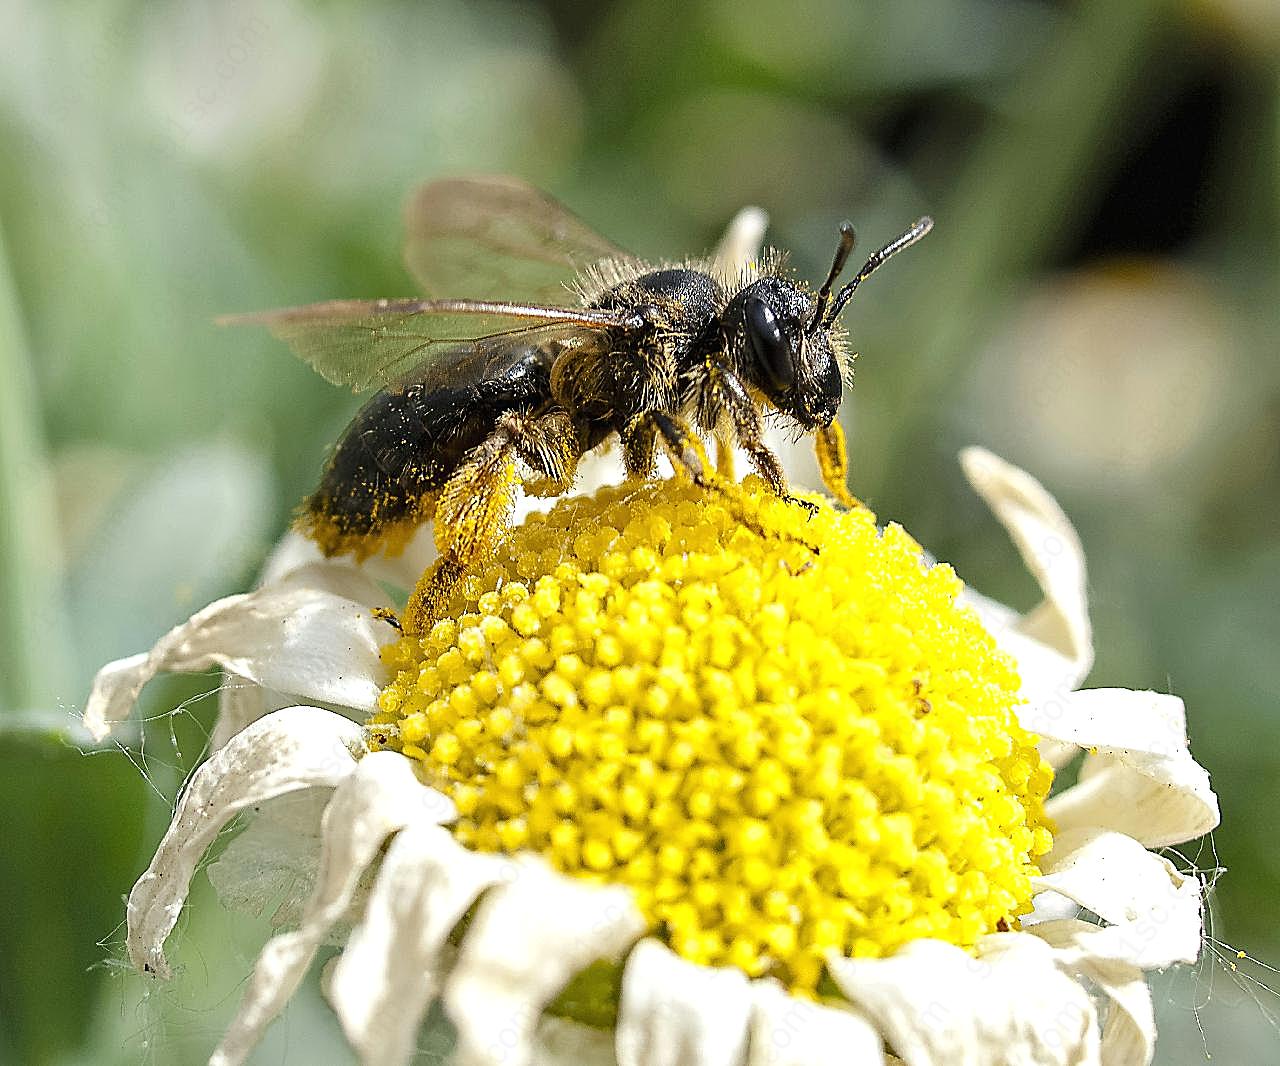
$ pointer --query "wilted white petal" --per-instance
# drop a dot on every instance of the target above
(312, 634)
(674, 1013)
(295, 748)
(390, 971)
(273, 861)
(786, 1031)
(741, 241)
(1129, 1035)
(530, 935)
(939, 1006)
(292, 552)
(240, 702)
(1053, 643)
(115, 691)
(380, 797)
(1153, 910)
(560, 1042)
(403, 569)
(1140, 778)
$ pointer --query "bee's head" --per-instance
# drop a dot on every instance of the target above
(797, 372)
(789, 350)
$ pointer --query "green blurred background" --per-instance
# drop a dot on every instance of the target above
(1099, 303)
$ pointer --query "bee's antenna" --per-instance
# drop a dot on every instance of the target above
(847, 238)
(875, 260)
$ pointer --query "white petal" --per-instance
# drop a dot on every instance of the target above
(390, 971)
(939, 1006)
(1140, 778)
(273, 861)
(241, 702)
(1053, 643)
(402, 571)
(674, 1013)
(311, 634)
(379, 798)
(528, 938)
(1153, 910)
(741, 241)
(292, 552)
(296, 748)
(1129, 1035)
(786, 1031)
(115, 691)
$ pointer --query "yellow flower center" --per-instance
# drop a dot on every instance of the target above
(780, 731)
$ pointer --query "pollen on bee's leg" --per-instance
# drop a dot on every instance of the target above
(833, 462)
(474, 510)
(431, 596)
(683, 447)
(724, 456)
(472, 515)
(548, 445)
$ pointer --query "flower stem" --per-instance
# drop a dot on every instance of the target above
(34, 635)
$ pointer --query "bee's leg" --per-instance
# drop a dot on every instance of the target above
(748, 427)
(687, 454)
(548, 444)
(732, 397)
(643, 433)
(639, 446)
(473, 510)
(833, 461)
(431, 596)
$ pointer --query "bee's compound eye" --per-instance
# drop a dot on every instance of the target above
(771, 348)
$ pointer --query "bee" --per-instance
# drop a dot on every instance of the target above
(563, 343)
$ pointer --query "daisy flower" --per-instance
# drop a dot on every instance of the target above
(688, 776)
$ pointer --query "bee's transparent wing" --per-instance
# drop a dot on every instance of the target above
(497, 238)
(368, 344)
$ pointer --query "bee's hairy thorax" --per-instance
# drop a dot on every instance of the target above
(607, 384)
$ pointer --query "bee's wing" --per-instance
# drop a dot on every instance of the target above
(497, 238)
(368, 344)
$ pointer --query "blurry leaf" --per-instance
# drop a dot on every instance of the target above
(64, 866)
(33, 650)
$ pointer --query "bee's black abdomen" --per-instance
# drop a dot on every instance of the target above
(402, 447)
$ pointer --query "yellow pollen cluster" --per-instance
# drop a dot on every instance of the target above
(780, 732)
